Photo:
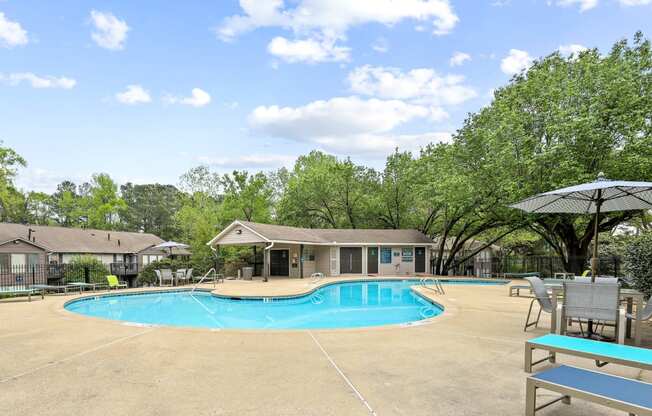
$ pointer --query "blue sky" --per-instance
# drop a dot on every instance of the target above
(146, 90)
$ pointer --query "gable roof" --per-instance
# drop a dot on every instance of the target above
(79, 240)
(323, 236)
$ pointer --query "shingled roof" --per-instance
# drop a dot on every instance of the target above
(79, 240)
(334, 236)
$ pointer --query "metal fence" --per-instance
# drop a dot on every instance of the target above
(25, 275)
(546, 266)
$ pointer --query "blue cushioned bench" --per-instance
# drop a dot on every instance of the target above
(632, 396)
(601, 352)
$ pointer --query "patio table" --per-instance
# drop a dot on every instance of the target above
(630, 296)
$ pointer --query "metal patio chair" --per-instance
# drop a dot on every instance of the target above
(542, 297)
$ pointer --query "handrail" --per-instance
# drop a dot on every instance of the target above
(212, 269)
(438, 287)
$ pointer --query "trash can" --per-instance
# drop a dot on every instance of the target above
(247, 273)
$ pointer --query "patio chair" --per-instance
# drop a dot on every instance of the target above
(180, 276)
(647, 312)
(598, 302)
(541, 296)
(165, 275)
(189, 275)
(114, 283)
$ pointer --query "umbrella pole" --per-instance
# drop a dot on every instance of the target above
(594, 259)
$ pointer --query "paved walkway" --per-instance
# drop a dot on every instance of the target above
(466, 362)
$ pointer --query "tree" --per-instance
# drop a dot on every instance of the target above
(65, 204)
(38, 208)
(559, 124)
(12, 201)
(151, 208)
(101, 203)
(397, 198)
(247, 197)
(324, 192)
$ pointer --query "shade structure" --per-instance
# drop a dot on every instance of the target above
(603, 195)
(169, 245)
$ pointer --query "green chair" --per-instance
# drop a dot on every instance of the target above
(114, 283)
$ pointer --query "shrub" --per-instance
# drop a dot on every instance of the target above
(638, 262)
(81, 267)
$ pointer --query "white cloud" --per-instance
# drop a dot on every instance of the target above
(198, 98)
(249, 161)
(310, 50)
(319, 24)
(422, 85)
(380, 45)
(344, 125)
(635, 2)
(43, 180)
(336, 16)
(11, 33)
(134, 94)
(38, 81)
(584, 4)
(571, 49)
(110, 32)
(515, 62)
(459, 58)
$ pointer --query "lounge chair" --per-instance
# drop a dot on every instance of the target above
(597, 302)
(29, 291)
(541, 296)
(114, 283)
(83, 285)
(632, 396)
(601, 352)
(52, 288)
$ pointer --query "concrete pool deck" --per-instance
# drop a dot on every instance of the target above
(469, 361)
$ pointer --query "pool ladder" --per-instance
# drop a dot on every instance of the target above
(436, 285)
(215, 278)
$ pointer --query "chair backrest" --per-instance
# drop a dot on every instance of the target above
(181, 273)
(582, 279)
(647, 312)
(586, 273)
(112, 280)
(189, 273)
(166, 274)
(598, 301)
(540, 292)
(612, 280)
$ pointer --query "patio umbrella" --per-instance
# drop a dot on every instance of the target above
(603, 195)
(170, 245)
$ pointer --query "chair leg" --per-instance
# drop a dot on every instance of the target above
(536, 324)
(527, 320)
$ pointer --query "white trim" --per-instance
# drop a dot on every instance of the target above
(231, 226)
(33, 244)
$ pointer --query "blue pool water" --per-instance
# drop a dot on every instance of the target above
(339, 305)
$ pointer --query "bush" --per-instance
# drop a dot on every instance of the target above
(638, 262)
(81, 267)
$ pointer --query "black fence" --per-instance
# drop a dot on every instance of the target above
(546, 266)
(23, 276)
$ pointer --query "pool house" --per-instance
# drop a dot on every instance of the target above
(300, 252)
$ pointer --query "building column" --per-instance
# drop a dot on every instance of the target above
(301, 261)
(265, 265)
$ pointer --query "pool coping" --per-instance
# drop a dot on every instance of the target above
(449, 309)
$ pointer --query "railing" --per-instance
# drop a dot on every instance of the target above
(23, 276)
(215, 278)
(125, 269)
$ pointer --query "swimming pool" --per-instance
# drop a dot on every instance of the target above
(337, 305)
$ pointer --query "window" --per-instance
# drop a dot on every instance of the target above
(385, 255)
(32, 259)
(407, 255)
(4, 260)
(18, 260)
(308, 254)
